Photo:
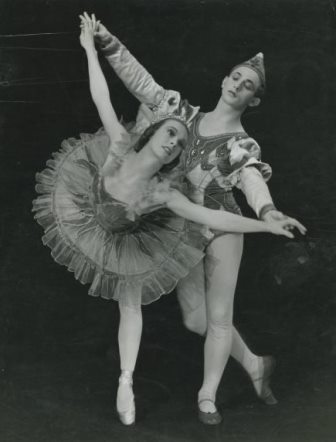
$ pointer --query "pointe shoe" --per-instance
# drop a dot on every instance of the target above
(265, 393)
(209, 417)
(127, 417)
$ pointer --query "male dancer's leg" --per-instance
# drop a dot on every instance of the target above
(191, 297)
(221, 281)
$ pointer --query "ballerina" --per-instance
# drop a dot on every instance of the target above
(108, 206)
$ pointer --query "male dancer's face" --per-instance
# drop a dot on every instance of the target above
(240, 87)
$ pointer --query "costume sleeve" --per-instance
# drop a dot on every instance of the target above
(248, 173)
(135, 77)
(155, 99)
(251, 174)
(256, 190)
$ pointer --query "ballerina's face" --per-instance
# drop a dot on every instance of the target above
(169, 140)
(240, 87)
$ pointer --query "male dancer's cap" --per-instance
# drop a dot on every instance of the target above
(256, 63)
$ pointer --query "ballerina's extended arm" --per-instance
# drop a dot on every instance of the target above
(222, 220)
(98, 86)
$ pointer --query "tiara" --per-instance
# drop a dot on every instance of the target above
(171, 116)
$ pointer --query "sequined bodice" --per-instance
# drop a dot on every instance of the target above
(206, 165)
(109, 212)
(208, 152)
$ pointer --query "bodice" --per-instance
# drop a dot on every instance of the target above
(210, 151)
(111, 213)
(206, 162)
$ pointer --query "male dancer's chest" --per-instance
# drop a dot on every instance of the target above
(206, 153)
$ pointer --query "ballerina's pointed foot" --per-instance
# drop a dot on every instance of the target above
(208, 413)
(262, 382)
(125, 400)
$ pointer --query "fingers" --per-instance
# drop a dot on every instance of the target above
(287, 233)
(292, 223)
(90, 22)
(87, 24)
(93, 20)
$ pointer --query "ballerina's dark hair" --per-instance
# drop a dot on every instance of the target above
(147, 135)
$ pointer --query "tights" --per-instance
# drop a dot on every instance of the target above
(129, 336)
(211, 317)
(211, 314)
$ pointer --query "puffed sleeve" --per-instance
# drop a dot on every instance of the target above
(135, 77)
(246, 152)
(249, 174)
(155, 99)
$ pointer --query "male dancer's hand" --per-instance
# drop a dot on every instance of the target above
(274, 215)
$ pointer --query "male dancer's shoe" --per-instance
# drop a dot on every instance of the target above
(209, 417)
(262, 383)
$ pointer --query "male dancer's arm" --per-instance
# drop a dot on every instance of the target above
(258, 195)
(139, 81)
(135, 77)
(253, 174)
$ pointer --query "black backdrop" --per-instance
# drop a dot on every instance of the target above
(58, 349)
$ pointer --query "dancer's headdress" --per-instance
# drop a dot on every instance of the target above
(256, 63)
(184, 113)
(171, 116)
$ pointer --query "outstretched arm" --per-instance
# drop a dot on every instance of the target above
(135, 77)
(225, 221)
(256, 191)
(98, 86)
(155, 99)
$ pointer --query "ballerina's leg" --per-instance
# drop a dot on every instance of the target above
(129, 337)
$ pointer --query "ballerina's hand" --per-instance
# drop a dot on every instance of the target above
(283, 227)
(85, 18)
(101, 34)
(86, 36)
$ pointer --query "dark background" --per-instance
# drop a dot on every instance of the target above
(58, 349)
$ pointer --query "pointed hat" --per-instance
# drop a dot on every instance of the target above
(256, 63)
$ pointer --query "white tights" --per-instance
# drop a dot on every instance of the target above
(214, 312)
(212, 317)
(129, 336)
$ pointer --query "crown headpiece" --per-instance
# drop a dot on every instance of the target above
(255, 63)
(182, 112)
(171, 116)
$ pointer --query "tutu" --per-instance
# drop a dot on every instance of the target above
(131, 260)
